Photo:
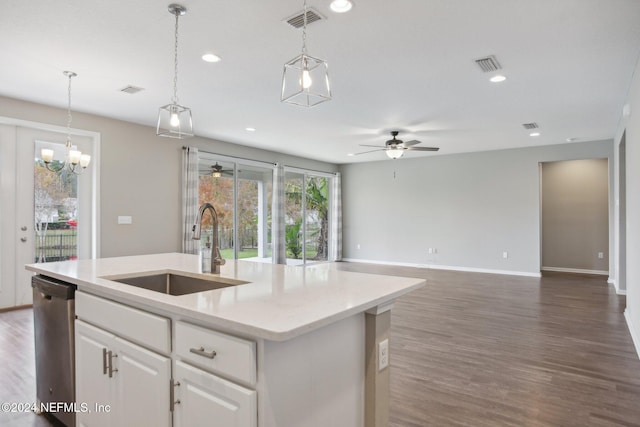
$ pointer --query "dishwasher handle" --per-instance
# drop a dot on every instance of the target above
(53, 288)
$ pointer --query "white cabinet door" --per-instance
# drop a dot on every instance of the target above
(142, 386)
(137, 393)
(93, 386)
(207, 400)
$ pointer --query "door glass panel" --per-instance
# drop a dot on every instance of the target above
(215, 186)
(244, 228)
(293, 206)
(55, 203)
(317, 219)
(254, 212)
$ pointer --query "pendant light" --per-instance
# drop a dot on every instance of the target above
(74, 161)
(305, 80)
(174, 120)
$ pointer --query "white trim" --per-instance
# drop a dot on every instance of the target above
(576, 270)
(633, 331)
(446, 267)
(621, 292)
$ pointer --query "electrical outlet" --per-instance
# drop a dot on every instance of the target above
(600, 255)
(505, 254)
(430, 251)
(358, 245)
(383, 354)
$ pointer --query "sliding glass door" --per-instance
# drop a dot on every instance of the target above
(306, 217)
(241, 192)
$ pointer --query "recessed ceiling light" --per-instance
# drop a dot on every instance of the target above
(210, 57)
(534, 134)
(341, 6)
(351, 154)
(250, 129)
(497, 79)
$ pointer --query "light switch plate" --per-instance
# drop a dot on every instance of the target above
(125, 219)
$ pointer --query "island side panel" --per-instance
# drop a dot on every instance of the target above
(377, 381)
(314, 380)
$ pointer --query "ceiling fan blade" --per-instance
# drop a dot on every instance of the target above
(367, 145)
(371, 151)
(410, 143)
(423, 148)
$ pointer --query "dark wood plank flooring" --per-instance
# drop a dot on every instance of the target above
(469, 349)
(479, 350)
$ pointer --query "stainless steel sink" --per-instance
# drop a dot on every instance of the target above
(176, 284)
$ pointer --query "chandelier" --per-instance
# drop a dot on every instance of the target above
(74, 161)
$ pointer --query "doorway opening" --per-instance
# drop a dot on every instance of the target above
(575, 216)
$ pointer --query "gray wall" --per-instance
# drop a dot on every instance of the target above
(140, 176)
(471, 208)
(575, 215)
(633, 209)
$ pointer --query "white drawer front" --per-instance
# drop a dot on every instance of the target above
(234, 357)
(144, 328)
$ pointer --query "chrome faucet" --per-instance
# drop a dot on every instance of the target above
(209, 265)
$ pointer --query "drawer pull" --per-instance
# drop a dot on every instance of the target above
(201, 352)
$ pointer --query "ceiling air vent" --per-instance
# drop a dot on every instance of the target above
(488, 64)
(131, 89)
(530, 125)
(297, 20)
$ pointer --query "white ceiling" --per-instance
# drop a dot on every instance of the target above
(402, 64)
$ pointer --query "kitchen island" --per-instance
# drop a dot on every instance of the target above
(277, 346)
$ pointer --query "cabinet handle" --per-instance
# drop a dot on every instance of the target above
(111, 356)
(201, 352)
(104, 361)
(172, 401)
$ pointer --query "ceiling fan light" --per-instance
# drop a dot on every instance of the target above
(394, 153)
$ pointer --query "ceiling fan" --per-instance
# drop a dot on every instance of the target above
(395, 148)
(216, 171)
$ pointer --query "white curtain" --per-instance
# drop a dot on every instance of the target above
(277, 226)
(336, 219)
(189, 198)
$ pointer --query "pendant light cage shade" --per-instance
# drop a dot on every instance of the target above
(305, 81)
(174, 121)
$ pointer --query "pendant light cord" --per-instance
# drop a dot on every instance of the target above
(175, 63)
(69, 117)
(304, 28)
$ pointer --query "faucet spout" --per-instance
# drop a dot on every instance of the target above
(217, 260)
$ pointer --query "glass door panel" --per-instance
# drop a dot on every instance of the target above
(254, 212)
(294, 211)
(241, 193)
(316, 219)
(216, 186)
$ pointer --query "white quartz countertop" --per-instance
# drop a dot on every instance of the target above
(279, 302)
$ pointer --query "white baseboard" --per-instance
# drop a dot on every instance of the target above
(445, 267)
(634, 332)
(576, 270)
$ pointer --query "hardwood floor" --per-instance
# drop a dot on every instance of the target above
(468, 349)
(478, 350)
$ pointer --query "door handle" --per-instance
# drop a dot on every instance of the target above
(104, 361)
(23, 239)
(110, 356)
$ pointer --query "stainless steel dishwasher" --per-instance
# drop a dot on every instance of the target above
(53, 322)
